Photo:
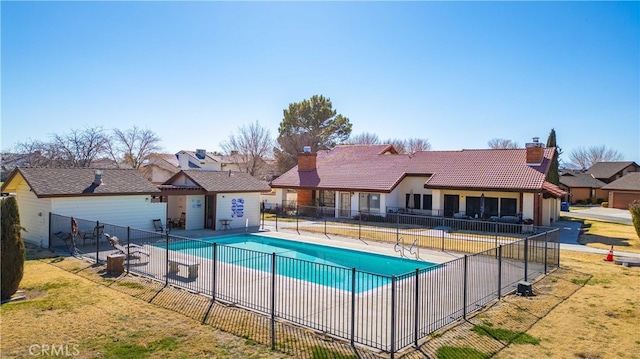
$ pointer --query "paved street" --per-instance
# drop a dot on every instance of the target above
(602, 214)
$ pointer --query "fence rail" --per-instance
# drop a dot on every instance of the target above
(383, 312)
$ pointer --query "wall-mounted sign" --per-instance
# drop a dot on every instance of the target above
(237, 207)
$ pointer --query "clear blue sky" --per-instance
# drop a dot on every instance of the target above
(456, 73)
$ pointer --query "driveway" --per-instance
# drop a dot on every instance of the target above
(613, 215)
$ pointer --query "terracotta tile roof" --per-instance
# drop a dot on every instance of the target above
(581, 180)
(355, 167)
(608, 169)
(553, 189)
(71, 182)
(224, 181)
(628, 182)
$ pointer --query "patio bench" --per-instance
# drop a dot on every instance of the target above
(191, 266)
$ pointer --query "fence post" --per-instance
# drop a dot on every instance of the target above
(526, 257)
(128, 246)
(297, 212)
(276, 219)
(325, 225)
(213, 283)
(273, 301)
(546, 245)
(50, 230)
(360, 225)
(416, 308)
(500, 272)
(464, 288)
(166, 262)
(398, 227)
(393, 316)
(442, 230)
(353, 306)
(98, 235)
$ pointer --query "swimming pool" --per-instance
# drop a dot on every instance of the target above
(329, 266)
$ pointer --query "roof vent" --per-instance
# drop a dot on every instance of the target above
(98, 177)
(201, 154)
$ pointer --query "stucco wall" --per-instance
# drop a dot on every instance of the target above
(227, 209)
(194, 211)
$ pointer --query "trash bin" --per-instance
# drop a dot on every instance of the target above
(564, 206)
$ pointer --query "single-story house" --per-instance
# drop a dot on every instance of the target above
(468, 183)
(582, 187)
(624, 190)
(608, 172)
(115, 196)
(214, 199)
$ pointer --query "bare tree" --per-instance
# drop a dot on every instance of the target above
(37, 153)
(80, 147)
(364, 138)
(249, 147)
(133, 146)
(502, 144)
(583, 157)
(417, 144)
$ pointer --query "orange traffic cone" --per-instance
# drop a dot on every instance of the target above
(610, 255)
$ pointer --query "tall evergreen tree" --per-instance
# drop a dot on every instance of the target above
(313, 123)
(553, 175)
(13, 252)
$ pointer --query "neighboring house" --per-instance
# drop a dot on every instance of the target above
(159, 167)
(582, 187)
(624, 190)
(115, 196)
(203, 160)
(608, 172)
(209, 199)
(376, 178)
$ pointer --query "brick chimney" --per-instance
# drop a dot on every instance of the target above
(535, 152)
(306, 160)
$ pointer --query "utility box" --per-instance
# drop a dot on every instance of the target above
(524, 289)
(115, 263)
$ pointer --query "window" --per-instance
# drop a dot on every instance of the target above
(427, 200)
(327, 198)
(416, 200)
(474, 207)
(370, 202)
(508, 207)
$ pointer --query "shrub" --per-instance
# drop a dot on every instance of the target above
(13, 252)
(605, 204)
(634, 208)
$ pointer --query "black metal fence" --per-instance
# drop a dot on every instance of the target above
(440, 233)
(379, 311)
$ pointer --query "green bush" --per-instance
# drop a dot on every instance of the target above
(605, 204)
(13, 253)
(634, 208)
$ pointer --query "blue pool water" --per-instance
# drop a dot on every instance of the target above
(314, 263)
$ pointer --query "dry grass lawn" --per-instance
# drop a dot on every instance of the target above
(603, 235)
(64, 309)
